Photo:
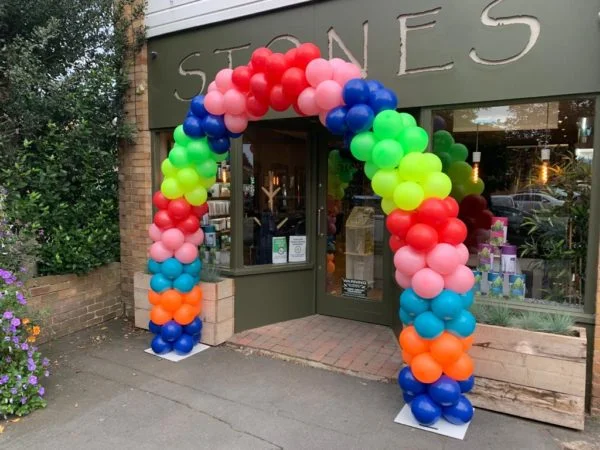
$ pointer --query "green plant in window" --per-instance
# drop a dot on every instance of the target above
(210, 273)
(498, 226)
(498, 315)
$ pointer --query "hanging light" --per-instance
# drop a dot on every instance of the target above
(476, 158)
(544, 169)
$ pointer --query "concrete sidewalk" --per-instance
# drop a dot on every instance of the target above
(107, 393)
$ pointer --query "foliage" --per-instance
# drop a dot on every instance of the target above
(210, 273)
(62, 86)
(502, 315)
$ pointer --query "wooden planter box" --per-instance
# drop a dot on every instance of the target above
(530, 374)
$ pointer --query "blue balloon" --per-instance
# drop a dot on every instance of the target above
(171, 268)
(355, 91)
(467, 299)
(160, 283)
(194, 327)
(219, 145)
(467, 385)
(463, 325)
(445, 391)
(405, 317)
(193, 268)
(197, 106)
(374, 85)
(159, 345)
(184, 283)
(336, 120)
(214, 126)
(192, 126)
(460, 413)
(407, 397)
(408, 383)
(184, 344)
(154, 328)
(412, 303)
(171, 331)
(428, 325)
(360, 118)
(383, 99)
(154, 267)
(425, 410)
(447, 305)
(233, 135)
(196, 338)
(438, 123)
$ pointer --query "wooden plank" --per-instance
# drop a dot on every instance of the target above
(537, 404)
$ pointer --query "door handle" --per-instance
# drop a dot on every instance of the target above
(320, 222)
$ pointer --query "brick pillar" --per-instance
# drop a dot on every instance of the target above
(595, 406)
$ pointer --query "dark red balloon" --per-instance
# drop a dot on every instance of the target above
(260, 59)
(432, 212)
(293, 82)
(422, 237)
(452, 206)
(256, 107)
(160, 201)
(484, 219)
(276, 66)
(179, 209)
(201, 210)
(398, 222)
(454, 232)
(241, 78)
(259, 87)
(162, 219)
(473, 203)
(278, 101)
(290, 57)
(190, 224)
(306, 53)
(396, 243)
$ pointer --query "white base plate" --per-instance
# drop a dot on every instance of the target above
(174, 357)
(442, 426)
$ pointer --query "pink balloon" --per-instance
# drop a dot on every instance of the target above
(173, 238)
(345, 73)
(223, 80)
(212, 87)
(402, 280)
(159, 252)
(461, 280)
(317, 71)
(234, 101)
(154, 233)
(463, 253)
(307, 103)
(236, 124)
(323, 117)
(214, 103)
(409, 261)
(443, 259)
(427, 283)
(328, 95)
(196, 238)
(187, 253)
(337, 62)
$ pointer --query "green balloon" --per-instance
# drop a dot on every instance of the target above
(218, 157)
(459, 172)
(207, 182)
(333, 160)
(207, 169)
(408, 120)
(384, 182)
(362, 145)
(387, 153)
(387, 205)
(170, 188)
(370, 169)
(437, 184)
(198, 150)
(431, 162)
(413, 139)
(445, 160)
(197, 197)
(188, 179)
(458, 192)
(442, 140)
(178, 156)
(413, 168)
(408, 195)
(346, 176)
(168, 169)
(180, 137)
(458, 152)
(387, 124)
(474, 187)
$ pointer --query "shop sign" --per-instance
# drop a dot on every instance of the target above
(354, 288)
(280, 250)
(297, 249)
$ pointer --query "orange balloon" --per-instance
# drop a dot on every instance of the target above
(194, 297)
(185, 314)
(446, 348)
(330, 267)
(411, 341)
(467, 342)
(154, 297)
(407, 357)
(425, 368)
(159, 315)
(171, 300)
(330, 257)
(461, 369)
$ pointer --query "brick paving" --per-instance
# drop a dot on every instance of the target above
(359, 348)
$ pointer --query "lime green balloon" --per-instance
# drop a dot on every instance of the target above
(458, 192)
(479, 187)
(370, 169)
(474, 187)
(437, 184)
(459, 172)
(207, 169)
(408, 195)
(170, 188)
(387, 205)
(387, 124)
(387, 154)
(180, 137)
(445, 159)
(178, 156)
(384, 182)
(198, 151)
(207, 182)
(188, 179)
(442, 140)
(413, 139)
(413, 168)
(197, 196)
(431, 162)
(218, 157)
(168, 169)
(362, 145)
(407, 120)
(458, 152)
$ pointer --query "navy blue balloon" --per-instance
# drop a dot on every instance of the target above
(154, 328)
(197, 106)
(154, 266)
(438, 123)
(407, 397)
(460, 413)
(214, 126)
(336, 120)
(467, 385)
(160, 283)
(383, 99)
(425, 410)
(405, 317)
(360, 118)
(192, 126)
(184, 283)
(194, 327)
(159, 345)
(193, 268)
(184, 344)
(190, 114)
(171, 331)
(355, 91)
(408, 383)
(445, 391)
(219, 145)
(374, 85)
(171, 268)
(196, 338)
(233, 135)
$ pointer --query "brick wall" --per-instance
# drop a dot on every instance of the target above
(71, 303)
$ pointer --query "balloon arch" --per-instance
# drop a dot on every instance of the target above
(426, 234)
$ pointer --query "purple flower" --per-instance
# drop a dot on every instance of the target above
(15, 322)
(13, 391)
(46, 373)
(8, 358)
(4, 379)
(15, 340)
(32, 380)
(23, 400)
(41, 391)
(21, 298)
(7, 315)
(31, 365)
(45, 362)
(24, 346)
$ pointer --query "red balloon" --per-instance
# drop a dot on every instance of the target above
(432, 212)
(473, 203)
(259, 86)
(241, 78)
(190, 224)
(422, 237)
(179, 209)
(306, 53)
(276, 66)
(297, 109)
(454, 232)
(260, 59)
(199, 211)
(160, 201)
(484, 219)
(290, 57)
(452, 206)
(398, 222)
(293, 82)
(256, 107)
(396, 243)
(163, 220)
(278, 101)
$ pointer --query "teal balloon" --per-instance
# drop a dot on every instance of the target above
(412, 303)
(428, 325)
(463, 325)
(447, 305)
(467, 299)
(387, 153)
(442, 140)
(405, 317)
(458, 152)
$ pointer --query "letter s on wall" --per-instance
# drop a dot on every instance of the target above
(184, 72)
(530, 21)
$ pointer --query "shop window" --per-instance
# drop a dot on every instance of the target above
(535, 161)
